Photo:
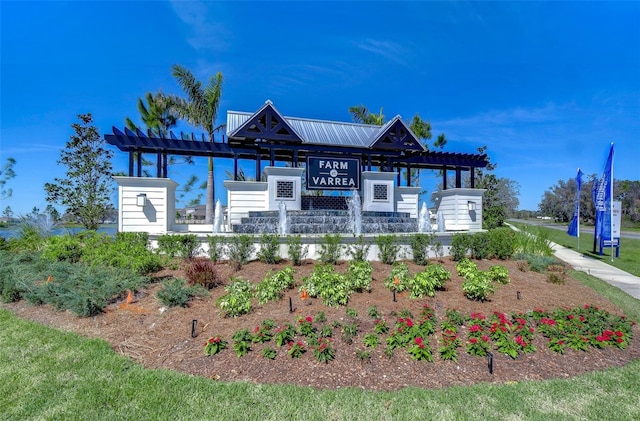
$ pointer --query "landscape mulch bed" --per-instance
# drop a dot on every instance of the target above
(160, 337)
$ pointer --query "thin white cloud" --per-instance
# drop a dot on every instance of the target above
(206, 34)
(31, 148)
(387, 49)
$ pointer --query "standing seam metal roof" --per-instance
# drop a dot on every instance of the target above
(317, 131)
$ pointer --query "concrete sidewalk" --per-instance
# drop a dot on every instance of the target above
(610, 274)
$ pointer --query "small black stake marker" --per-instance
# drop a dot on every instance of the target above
(394, 295)
(518, 294)
(194, 323)
(490, 362)
(290, 305)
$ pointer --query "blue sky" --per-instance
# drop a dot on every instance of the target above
(545, 86)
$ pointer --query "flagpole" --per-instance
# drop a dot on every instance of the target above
(578, 214)
(611, 203)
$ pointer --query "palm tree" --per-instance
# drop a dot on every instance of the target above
(158, 115)
(361, 114)
(201, 110)
(419, 127)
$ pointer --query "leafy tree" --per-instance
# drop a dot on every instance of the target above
(559, 200)
(500, 201)
(87, 187)
(8, 212)
(200, 109)
(6, 174)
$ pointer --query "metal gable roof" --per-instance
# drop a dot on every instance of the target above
(320, 132)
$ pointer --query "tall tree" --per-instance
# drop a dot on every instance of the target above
(158, 114)
(361, 114)
(419, 127)
(86, 190)
(500, 201)
(201, 110)
(6, 174)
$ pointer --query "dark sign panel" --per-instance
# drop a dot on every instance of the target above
(333, 173)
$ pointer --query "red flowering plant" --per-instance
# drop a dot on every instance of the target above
(380, 327)
(420, 350)
(305, 326)
(296, 349)
(284, 334)
(478, 343)
(262, 333)
(405, 331)
(450, 342)
(579, 328)
(524, 333)
(214, 345)
(323, 351)
(500, 332)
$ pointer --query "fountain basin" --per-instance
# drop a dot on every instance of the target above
(326, 222)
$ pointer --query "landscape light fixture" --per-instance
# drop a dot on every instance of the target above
(194, 323)
(394, 295)
(490, 362)
(518, 294)
(471, 205)
(141, 200)
(290, 305)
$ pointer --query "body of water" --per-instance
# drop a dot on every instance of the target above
(14, 230)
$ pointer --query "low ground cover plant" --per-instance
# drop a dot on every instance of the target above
(83, 289)
(176, 294)
(512, 335)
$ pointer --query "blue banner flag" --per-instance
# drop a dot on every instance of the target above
(574, 226)
(602, 198)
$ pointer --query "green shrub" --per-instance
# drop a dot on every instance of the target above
(388, 248)
(329, 285)
(466, 266)
(480, 245)
(237, 300)
(399, 277)
(169, 245)
(216, 249)
(62, 248)
(359, 276)
(499, 274)
(201, 272)
(272, 286)
(330, 248)
(297, 252)
(420, 248)
(269, 247)
(176, 294)
(126, 251)
(189, 246)
(460, 244)
(477, 286)
(240, 250)
(359, 250)
(426, 283)
(503, 243)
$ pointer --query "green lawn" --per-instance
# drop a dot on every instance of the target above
(629, 259)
